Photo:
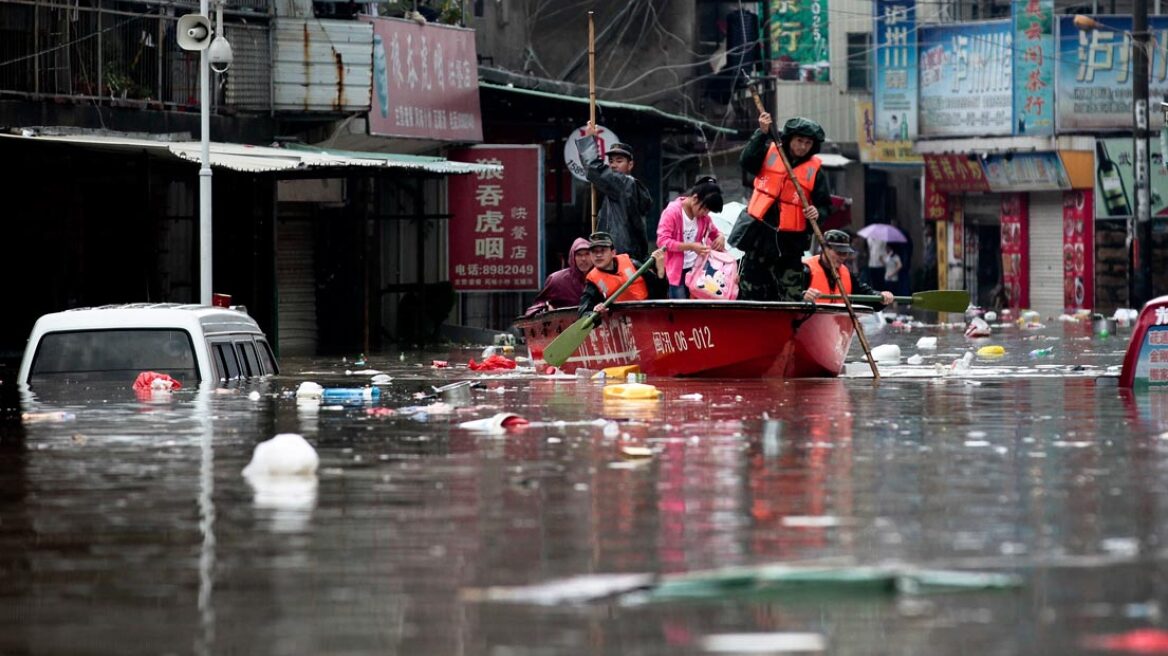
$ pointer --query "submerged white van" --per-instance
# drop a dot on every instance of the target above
(191, 343)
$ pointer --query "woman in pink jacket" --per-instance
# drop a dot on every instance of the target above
(687, 231)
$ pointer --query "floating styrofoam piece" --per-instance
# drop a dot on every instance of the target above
(381, 379)
(309, 392)
(495, 425)
(287, 454)
(886, 354)
(915, 359)
(926, 343)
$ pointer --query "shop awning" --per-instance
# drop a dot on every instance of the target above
(609, 104)
(262, 159)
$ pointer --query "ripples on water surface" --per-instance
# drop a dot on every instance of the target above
(129, 529)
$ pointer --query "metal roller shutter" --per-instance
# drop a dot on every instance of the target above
(1046, 253)
(296, 286)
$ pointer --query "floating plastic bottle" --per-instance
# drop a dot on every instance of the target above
(350, 395)
(1042, 352)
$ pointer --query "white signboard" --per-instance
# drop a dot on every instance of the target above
(604, 138)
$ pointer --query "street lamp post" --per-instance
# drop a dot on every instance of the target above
(1140, 231)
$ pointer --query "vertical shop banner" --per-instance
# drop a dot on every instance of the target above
(496, 221)
(966, 79)
(1114, 182)
(880, 151)
(798, 40)
(1095, 77)
(1016, 249)
(895, 92)
(1034, 66)
(958, 230)
(936, 201)
(1078, 251)
(425, 81)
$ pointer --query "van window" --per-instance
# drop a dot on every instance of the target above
(114, 354)
(247, 355)
(225, 360)
(266, 357)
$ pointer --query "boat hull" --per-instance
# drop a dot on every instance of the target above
(709, 339)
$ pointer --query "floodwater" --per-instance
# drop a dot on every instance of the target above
(127, 527)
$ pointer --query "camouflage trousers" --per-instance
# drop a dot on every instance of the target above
(764, 278)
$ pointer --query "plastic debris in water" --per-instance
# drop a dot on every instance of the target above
(636, 452)
(632, 392)
(308, 392)
(1042, 352)
(915, 359)
(381, 379)
(977, 328)
(350, 395)
(611, 429)
(764, 643)
(286, 454)
(1139, 641)
(886, 353)
(253, 396)
(496, 424)
(990, 352)
(46, 417)
(926, 343)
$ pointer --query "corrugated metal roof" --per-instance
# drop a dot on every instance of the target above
(322, 65)
(611, 104)
(266, 159)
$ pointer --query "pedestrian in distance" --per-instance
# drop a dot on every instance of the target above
(610, 270)
(892, 268)
(626, 200)
(817, 280)
(780, 232)
(564, 287)
(687, 232)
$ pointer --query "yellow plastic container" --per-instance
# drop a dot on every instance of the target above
(632, 392)
(618, 373)
(991, 351)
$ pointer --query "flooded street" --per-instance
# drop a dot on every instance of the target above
(126, 526)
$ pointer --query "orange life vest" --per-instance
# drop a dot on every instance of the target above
(608, 283)
(772, 183)
(820, 280)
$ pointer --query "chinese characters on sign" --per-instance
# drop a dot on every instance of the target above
(1094, 73)
(1026, 172)
(1078, 251)
(1016, 249)
(1034, 66)
(798, 39)
(936, 201)
(966, 79)
(895, 91)
(496, 220)
(425, 81)
(956, 173)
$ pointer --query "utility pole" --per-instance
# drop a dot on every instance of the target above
(1140, 238)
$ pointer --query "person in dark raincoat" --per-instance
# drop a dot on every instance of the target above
(564, 287)
(774, 230)
(625, 201)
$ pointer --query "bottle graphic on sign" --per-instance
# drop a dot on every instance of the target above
(381, 75)
(904, 128)
(1115, 200)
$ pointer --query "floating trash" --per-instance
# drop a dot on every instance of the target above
(636, 452)
(632, 392)
(926, 343)
(991, 352)
(287, 454)
(915, 359)
(886, 354)
(764, 643)
(622, 372)
(497, 424)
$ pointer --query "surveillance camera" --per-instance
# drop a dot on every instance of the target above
(220, 55)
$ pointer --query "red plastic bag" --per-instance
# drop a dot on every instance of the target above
(493, 363)
(153, 381)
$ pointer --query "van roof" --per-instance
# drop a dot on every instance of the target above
(210, 319)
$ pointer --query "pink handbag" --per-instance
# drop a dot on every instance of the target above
(714, 277)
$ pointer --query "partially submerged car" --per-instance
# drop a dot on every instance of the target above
(190, 343)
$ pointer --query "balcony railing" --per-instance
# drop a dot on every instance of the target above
(122, 52)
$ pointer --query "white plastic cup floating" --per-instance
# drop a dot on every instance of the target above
(494, 425)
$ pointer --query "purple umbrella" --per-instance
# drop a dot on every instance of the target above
(883, 232)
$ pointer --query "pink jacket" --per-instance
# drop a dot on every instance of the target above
(670, 237)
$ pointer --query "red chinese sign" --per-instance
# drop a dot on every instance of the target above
(936, 201)
(496, 220)
(956, 173)
(1078, 250)
(425, 81)
(1016, 249)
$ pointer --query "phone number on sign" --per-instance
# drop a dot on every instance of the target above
(494, 269)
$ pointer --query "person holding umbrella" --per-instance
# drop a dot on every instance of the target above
(879, 236)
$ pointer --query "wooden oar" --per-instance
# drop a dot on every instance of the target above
(592, 104)
(940, 300)
(818, 234)
(562, 347)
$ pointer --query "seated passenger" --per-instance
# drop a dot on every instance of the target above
(564, 287)
(687, 231)
(610, 271)
(819, 282)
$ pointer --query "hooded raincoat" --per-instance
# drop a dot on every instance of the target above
(564, 287)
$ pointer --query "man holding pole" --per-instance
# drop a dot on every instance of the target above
(818, 282)
(626, 200)
(774, 242)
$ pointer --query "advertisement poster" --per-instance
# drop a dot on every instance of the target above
(1016, 250)
(966, 79)
(873, 150)
(1034, 66)
(956, 173)
(496, 221)
(1026, 172)
(798, 40)
(425, 81)
(1094, 74)
(895, 61)
(1078, 251)
(1114, 179)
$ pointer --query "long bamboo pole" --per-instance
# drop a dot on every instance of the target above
(592, 103)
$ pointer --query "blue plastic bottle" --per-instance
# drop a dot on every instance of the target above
(350, 395)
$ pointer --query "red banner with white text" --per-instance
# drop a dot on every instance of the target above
(1078, 250)
(1016, 249)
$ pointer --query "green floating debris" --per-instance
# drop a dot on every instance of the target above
(785, 580)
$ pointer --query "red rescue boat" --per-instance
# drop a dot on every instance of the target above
(709, 339)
